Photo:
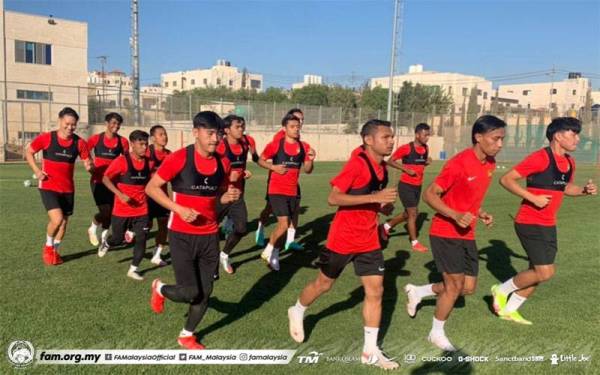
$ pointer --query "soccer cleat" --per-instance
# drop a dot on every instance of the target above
(226, 264)
(274, 260)
(56, 259)
(103, 249)
(378, 359)
(413, 300)
(294, 246)
(514, 316)
(158, 261)
(499, 298)
(296, 326)
(419, 248)
(134, 275)
(190, 342)
(104, 235)
(157, 302)
(129, 236)
(442, 342)
(93, 236)
(50, 256)
(259, 238)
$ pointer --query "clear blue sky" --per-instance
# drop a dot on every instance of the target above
(345, 41)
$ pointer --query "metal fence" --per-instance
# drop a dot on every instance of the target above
(32, 108)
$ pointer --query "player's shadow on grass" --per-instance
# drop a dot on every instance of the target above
(436, 277)
(447, 367)
(421, 219)
(393, 269)
(499, 263)
(271, 283)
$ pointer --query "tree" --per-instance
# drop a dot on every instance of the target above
(375, 98)
(423, 99)
(273, 94)
(311, 95)
(473, 108)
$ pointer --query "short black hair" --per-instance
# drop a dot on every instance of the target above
(208, 120)
(68, 111)
(138, 135)
(294, 110)
(562, 124)
(113, 115)
(421, 127)
(155, 128)
(370, 127)
(287, 118)
(227, 121)
(484, 124)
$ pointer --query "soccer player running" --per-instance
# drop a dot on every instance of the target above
(60, 149)
(157, 152)
(290, 240)
(414, 157)
(235, 147)
(131, 172)
(360, 193)
(456, 195)
(549, 173)
(198, 178)
(106, 147)
(288, 156)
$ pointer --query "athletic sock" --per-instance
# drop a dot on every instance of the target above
(268, 250)
(370, 339)
(159, 286)
(223, 255)
(93, 227)
(291, 234)
(56, 244)
(425, 291)
(437, 328)
(514, 302)
(299, 309)
(133, 268)
(158, 250)
(49, 240)
(260, 226)
(387, 226)
(414, 242)
(185, 333)
(508, 286)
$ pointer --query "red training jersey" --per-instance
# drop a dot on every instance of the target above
(285, 153)
(414, 160)
(105, 152)
(132, 186)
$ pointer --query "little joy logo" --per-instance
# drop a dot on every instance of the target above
(554, 359)
(20, 353)
(312, 358)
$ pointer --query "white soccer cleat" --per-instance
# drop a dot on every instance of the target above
(93, 237)
(296, 326)
(378, 359)
(103, 249)
(442, 342)
(134, 275)
(413, 300)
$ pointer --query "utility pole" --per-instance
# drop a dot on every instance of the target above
(396, 35)
(552, 86)
(135, 63)
(103, 60)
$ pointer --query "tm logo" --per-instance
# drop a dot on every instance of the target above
(312, 358)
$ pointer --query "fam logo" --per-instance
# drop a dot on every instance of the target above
(312, 357)
(20, 353)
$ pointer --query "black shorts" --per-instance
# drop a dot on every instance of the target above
(365, 264)
(454, 255)
(193, 255)
(102, 195)
(237, 213)
(409, 194)
(156, 211)
(284, 205)
(539, 243)
(53, 199)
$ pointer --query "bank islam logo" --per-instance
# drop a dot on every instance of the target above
(20, 353)
(312, 358)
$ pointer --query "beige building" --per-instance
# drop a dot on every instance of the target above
(457, 85)
(220, 75)
(46, 70)
(596, 97)
(562, 95)
(309, 79)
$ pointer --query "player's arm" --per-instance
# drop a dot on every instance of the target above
(433, 197)
(573, 190)
(154, 190)
(29, 156)
(279, 169)
(394, 164)
(84, 154)
(309, 162)
(341, 199)
(510, 181)
(111, 186)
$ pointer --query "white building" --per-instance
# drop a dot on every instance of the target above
(457, 85)
(309, 79)
(220, 75)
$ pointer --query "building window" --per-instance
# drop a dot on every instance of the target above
(230, 82)
(205, 81)
(553, 91)
(478, 92)
(174, 83)
(485, 95)
(193, 81)
(254, 84)
(166, 84)
(465, 91)
(574, 92)
(218, 81)
(525, 92)
(28, 136)
(33, 53)
(450, 90)
(34, 95)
